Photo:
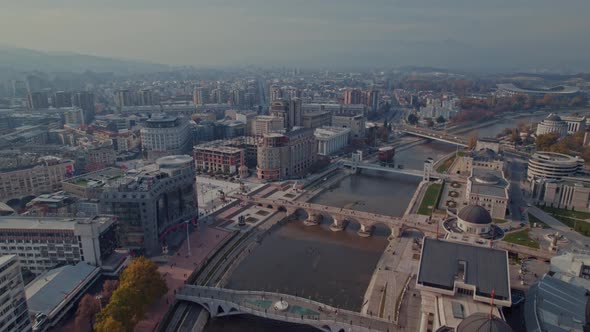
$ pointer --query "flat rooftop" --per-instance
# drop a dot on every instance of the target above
(485, 268)
(45, 223)
(50, 289)
(6, 258)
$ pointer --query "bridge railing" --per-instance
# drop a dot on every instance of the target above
(272, 295)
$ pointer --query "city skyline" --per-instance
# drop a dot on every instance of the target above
(531, 35)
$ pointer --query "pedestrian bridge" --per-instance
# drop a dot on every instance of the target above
(410, 172)
(221, 302)
(434, 135)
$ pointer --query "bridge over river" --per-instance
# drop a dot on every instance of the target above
(434, 135)
(283, 307)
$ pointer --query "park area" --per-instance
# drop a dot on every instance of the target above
(577, 220)
(430, 199)
(521, 237)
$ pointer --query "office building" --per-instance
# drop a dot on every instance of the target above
(73, 117)
(353, 96)
(551, 165)
(199, 96)
(457, 280)
(14, 315)
(290, 111)
(123, 98)
(85, 101)
(567, 193)
(37, 100)
(41, 175)
(331, 139)
(151, 202)
(62, 99)
(288, 155)
(275, 93)
(165, 135)
(317, 119)
(355, 122)
(373, 100)
(145, 97)
(573, 268)
(265, 124)
(216, 157)
(553, 305)
(41, 243)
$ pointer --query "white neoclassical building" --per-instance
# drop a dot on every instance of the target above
(552, 124)
(331, 139)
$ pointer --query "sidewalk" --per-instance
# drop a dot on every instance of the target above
(574, 237)
(179, 267)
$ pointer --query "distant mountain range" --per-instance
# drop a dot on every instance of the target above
(20, 59)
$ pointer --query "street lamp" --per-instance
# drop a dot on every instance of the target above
(99, 298)
(188, 240)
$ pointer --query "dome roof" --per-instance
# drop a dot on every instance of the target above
(553, 117)
(487, 178)
(480, 322)
(475, 214)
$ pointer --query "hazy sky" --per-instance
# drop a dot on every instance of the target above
(306, 32)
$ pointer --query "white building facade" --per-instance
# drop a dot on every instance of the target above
(331, 139)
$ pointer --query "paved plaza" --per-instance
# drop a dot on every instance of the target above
(177, 267)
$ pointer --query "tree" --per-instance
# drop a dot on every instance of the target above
(412, 119)
(88, 307)
(108, 288)
(140, 285)
(579, 101)
(544, 142)
(109, 325)
(441, 119)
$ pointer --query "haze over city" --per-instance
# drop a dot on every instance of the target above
(461, 34)
(294, 166)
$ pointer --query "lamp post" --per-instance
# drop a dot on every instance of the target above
(188, 240)
(99, 298)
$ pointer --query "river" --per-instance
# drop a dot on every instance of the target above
(330, 267)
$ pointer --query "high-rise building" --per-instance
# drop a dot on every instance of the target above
(152, 201)
(281, 156)
(291, 112)
(275, 93)
(14, 313)
(37, 100)
(373, 99)
(62, 99)
(145, 97)
(123, 98)
(198, 96)
(85, 101)
(352, 96)
(165, 135)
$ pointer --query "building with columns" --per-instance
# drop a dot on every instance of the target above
(552, 124)
(331, 139)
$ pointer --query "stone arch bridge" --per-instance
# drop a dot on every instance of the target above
(342, 216)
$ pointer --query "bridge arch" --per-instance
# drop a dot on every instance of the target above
(409, 230)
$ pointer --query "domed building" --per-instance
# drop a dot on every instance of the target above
(474, 219)
(480, 322)
(552, 124)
